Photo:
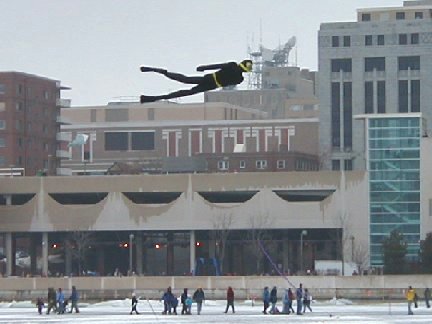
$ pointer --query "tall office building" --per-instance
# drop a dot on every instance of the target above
(377, 65)
(29, 122)
(374, 83)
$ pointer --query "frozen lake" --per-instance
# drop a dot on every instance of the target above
(117, 311)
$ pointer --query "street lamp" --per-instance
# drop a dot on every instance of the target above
(352, 248)
(303, 233)
(131, 237)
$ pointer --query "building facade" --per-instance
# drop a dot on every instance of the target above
(378, 64)
(29, 122)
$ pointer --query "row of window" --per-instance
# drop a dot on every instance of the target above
(405, 63)
(399, 15)
(300, 165)
(378, 40)
(45, 146)
(21, 90)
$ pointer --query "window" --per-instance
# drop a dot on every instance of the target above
(380, 40)
(415, 38)
(409, 63)
(116, 141)
(369, 98)
(348, 165)
(261, 164)
(19, 106)
(281, 164)
(335, 165)
(400, 15)
(2, 124)
(142, 141)
(242, 164)
(403, 96)
(346, 41)
(368, 40)
(2, 142)
(2, 161)
(381, 93)
(343, 65)
(418, 15)
(374, 63)
(415, 95)
(366, 17)
(223, 165)
(2, 88)
(403, 39)
(2, 106)
(335, 41)
(335, 114)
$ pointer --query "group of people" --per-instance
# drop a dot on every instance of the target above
(412, 298)
(170, 301)
(301, 296)
(56, 301)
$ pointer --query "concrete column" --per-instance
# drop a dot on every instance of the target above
(34, 239)
(10, 255)
(192, 251)
(45, 254)
(68, 258)
(139, 253)
(285, 255)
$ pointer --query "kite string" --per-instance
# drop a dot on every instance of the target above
(273, 264)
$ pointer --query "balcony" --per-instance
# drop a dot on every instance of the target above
(63, 120)
(64, 136)
(64, 171)
(63, 103)
(62, 154)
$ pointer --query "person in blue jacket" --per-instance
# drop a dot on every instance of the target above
(266, 299)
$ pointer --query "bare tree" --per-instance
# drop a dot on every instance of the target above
(360, 256)
(257, 235)
(78, 242)
(222, 224)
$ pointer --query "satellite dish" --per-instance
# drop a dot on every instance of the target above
(291, 42)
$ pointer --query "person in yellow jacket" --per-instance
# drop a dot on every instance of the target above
(410, 296)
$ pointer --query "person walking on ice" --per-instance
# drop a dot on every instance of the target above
(228, 74)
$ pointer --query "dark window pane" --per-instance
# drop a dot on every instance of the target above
(368, 40)
(415, 38)
(348, 165)
(369, 97)
(409, 62)
(338, 65)
(403, 96)
(400, 15)
(347, 100)
(142, 141)
(415, 96)
(418, 15)
(335, 109)
(381, 93)
(366, 17)
(403, 39)
(335, 165)
(335, 41)
(346, 41)
(116, 141)
(374, 63)
(380, 40)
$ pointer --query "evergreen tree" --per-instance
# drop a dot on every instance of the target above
(426, 253)
(394, 249)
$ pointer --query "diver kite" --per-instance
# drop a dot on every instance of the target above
(229, 74)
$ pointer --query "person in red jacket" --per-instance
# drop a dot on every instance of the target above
(230, 300)
(228, 74)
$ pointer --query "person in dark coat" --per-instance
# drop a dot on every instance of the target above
(228, 74)
(299, 296)
(74, 300)
(291, 299)
(52, 300)
(199, 297)
(174, 304)
(134, 304)
(230, 300)
(183, 299)
(40, 304)
(427, 296)
(266, 299)
(273, 300)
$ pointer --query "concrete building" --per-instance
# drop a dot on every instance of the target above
(166, 138)
(378, 64)
(29, 122)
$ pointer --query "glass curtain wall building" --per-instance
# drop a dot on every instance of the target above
(394, 181)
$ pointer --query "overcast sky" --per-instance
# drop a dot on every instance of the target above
(96, 46)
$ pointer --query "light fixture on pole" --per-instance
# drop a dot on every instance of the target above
(303, 233)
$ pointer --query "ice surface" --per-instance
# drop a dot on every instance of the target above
(117, 311)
